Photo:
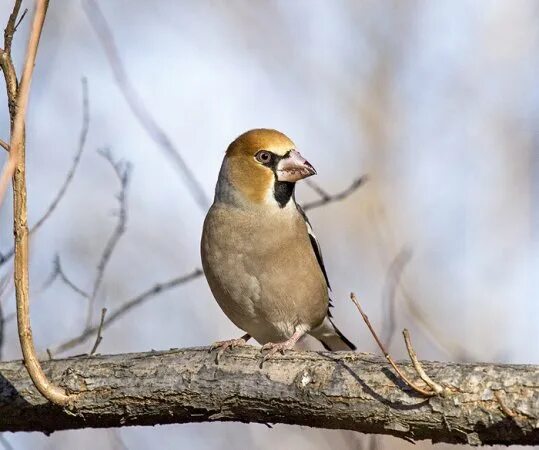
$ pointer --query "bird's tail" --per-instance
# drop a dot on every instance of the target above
(330, 337)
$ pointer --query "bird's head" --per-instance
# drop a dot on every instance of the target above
(263, 165)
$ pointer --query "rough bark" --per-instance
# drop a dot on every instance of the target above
(490, 403)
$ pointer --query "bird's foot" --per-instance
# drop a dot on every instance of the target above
(223, 346)
(271, 348)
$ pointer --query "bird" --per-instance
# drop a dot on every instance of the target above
(259, 254)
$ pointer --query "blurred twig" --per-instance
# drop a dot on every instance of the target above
(327, 198)
(138, 108)
(127, 306)
(123, 172)
(99, 336)
(70, 174)
(4, 145)
(58, 272)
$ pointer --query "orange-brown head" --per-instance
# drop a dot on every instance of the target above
(262, 165)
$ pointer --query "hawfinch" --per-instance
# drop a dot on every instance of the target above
(259, 254)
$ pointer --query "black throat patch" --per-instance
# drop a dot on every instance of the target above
(283, 191)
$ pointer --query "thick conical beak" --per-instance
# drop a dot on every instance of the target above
(294, 168)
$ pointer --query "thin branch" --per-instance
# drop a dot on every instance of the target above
(99, 337)
(318, 189)
(50, 391)
(127, 306)
(58, 272)
(327, 198)
(386, 354)
(122, 170)
(71, 172)
(137, 106)
(437, 388)
(23, 15)
(11, 26)
(4, 145)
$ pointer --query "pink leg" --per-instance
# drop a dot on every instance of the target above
(274, 347)
(225, 345)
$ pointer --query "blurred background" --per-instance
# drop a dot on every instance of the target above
(437, 102)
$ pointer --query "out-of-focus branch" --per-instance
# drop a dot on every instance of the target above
(139, 109)
(70, 174)
(58, 272)
(330, 198)
(125, 307)
(4, 145)
(99, 336)
(16, 166)
(122, 169)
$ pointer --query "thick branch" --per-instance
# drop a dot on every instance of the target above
(327, 390)
(20, 226)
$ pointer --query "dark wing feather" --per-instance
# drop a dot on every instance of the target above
(315, 245)
(317, 251)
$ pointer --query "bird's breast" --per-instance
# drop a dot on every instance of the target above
(262, 270)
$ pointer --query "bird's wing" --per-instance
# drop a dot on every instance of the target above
(315, 245)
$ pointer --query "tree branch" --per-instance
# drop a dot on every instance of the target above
(71, 172)
(125, 307)
(329, 198)
(16, 166)
(326, 390)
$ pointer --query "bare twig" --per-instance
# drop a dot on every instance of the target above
(327, 198)
(23, 15)
(127, 306)
(72, 170)
(137, 106)
(439, 390)
(4, 145)
(71, 173)
(99, 338)
(386, 354)
(123, 171)
(50, 391)
(318, 189)
(11, 26)
(58, 272)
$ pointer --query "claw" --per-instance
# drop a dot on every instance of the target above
(274, 347)
(223, 346)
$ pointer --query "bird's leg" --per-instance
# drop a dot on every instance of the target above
(231, 343)
(274, 347)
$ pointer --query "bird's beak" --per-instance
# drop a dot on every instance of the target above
(294, 168)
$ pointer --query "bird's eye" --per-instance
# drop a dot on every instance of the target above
(263, 156)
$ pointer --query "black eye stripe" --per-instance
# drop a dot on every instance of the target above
(274, 159)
